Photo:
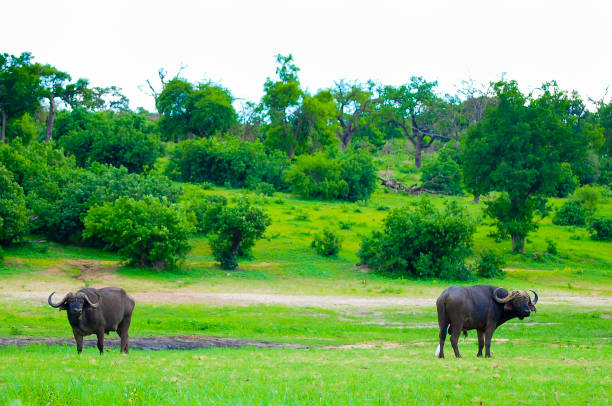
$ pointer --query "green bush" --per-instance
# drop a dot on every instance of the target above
(601, 228)
(327, 243)
(489, 265)
(359, 172)
(422, 242)
(146, 232)
(568, 182)
(443, 174)
(13, 219)
(206, 209)
(572, 213)
(264, 188)
(234, 231)
(228, 161)
(319, 176)
(589, 196)
(551, 247)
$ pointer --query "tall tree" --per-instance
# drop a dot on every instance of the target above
(413, 109)
(518, 149)
(53, 85)
(281, 101)
(19, 88)
(355, 102)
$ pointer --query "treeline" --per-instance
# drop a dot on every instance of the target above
(77, 154)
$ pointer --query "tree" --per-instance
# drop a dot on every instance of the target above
(211, 110)
(518, 149)
(354, 103)
(53, 85)
(234, 232)
(19, 88)
(13, 219)
(194, 111)
(413, 109)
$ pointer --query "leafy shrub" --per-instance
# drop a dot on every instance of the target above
(234, 232)
(146, 232)
(589, 196)
(572, 213)
(230, 161)
(359, 172)
(327, 243)
(206, 209)
(422, 241)
(489, 265)
(346, 225)
(60, 200)
(319, 176)
(601, 228)
(568, 182)
(264, 188)
(443, 173)
(551, 247)
(13, 219)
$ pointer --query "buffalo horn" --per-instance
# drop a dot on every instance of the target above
(89, 301)
(59, 303)
(536, 296)
(504, 300)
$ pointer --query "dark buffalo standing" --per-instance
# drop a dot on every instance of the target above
(480, 307)
(98, 311)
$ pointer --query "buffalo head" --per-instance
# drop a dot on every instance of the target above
(518, 301)
(74, 304)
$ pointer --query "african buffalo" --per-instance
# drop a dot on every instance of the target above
(98, 311)
(479, 307)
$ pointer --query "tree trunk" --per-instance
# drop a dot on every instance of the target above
(476, 199)
(418, 151)
(518, 243)
(3, 131)
(49, 132)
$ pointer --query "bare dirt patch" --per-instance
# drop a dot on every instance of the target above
(245, 299)
(156, 343)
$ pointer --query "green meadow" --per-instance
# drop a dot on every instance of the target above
(356, 355)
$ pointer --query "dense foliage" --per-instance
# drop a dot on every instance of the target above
(125, 139)
(443, 173)
(58, 193)
(518, 149)
(327, 243)
(13, 219)
(228, 161)
(351, 176)
(422, 242)
(234, 230)
(572, 213)
(147, 232)
(489, 265)
(601, 228)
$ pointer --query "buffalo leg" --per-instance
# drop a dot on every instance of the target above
(79, 341)
(481, 341)
(488, 334)
(122, 330)
(100, 336)
(455, 332)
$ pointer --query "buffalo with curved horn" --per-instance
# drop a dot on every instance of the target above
(482, 308)
(97, 311)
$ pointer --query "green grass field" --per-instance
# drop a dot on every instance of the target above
(357, 355)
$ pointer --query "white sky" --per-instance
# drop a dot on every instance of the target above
(234, 42)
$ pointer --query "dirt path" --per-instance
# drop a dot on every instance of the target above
(299, 301)
(156, 343)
